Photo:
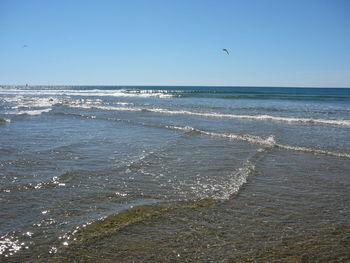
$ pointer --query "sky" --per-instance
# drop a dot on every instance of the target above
(301, 43)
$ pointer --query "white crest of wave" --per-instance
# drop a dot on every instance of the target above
(94, 92)
(234, 116)
(268, 141)
(29, 101)
(105, 108)
(313, 151)
(237, 179)
(29, 112)
(257, 117)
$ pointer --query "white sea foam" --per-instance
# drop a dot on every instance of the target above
(267, 141)
(29, 112)
(237, 179)
(257, 117)
(94, 92)
(27, 102)
(112, 108)
(125, 103)
(312, 150)
(20, 105)
(221, 115)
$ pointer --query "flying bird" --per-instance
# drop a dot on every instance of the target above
(24, 46)
(225, 50)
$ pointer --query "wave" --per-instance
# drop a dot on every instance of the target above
(152, 92)
(84, 116)
(28, 102)
(92, 105)
(248, 93)
(109, 108)
(257, 117)
(267, 141)
(312, 150)
(262, 93)
(222, 115)
(29, 112)
(20, 105)
(91, 92)
(218, 190)
(333, 110)
(240, 176)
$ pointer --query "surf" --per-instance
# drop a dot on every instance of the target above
(267, 141)
(314, 121)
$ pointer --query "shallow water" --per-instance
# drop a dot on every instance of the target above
(220, 174)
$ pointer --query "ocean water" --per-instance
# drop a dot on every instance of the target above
(174, 174)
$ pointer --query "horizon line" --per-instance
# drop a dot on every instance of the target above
(167, 85)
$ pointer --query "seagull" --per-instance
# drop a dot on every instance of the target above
(225, 50)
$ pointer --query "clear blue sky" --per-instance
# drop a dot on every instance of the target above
(175, 42)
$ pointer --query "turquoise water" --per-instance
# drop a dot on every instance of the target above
(274, 161)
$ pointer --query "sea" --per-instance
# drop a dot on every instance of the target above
(174, 174)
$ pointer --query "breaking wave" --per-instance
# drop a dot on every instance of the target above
(240, 176)
(262, 93)
(222, 115)
(258, 117)
(267, 141)
(312, 150)
(91, 92)
(29, 112)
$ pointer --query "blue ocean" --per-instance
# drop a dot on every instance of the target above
(174, 174)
